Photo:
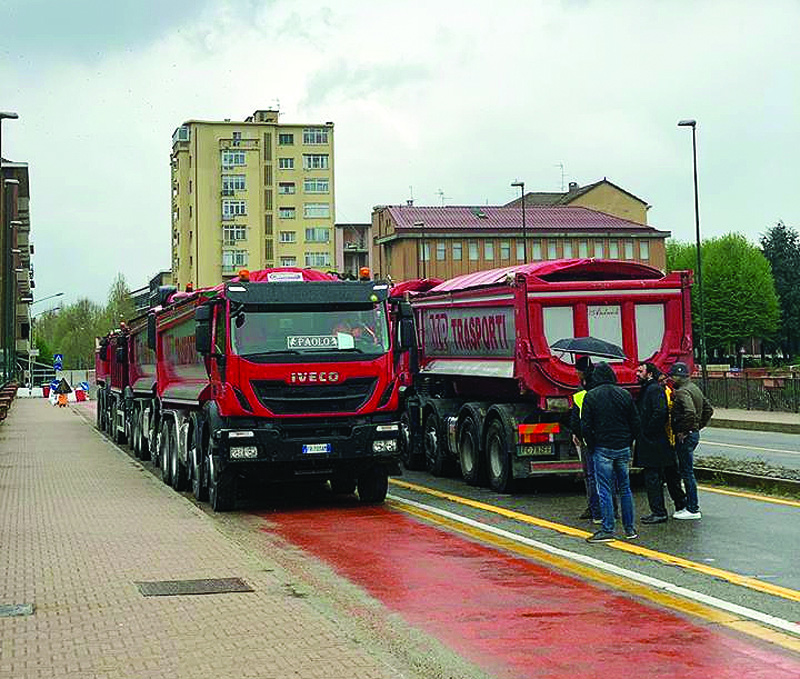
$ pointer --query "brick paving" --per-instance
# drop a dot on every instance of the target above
(81, 522)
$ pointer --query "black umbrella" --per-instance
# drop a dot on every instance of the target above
(63, 387)
(588, 346)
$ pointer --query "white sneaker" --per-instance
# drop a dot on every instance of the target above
(686, 514)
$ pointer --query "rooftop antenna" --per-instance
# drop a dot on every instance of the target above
(561, 165)
(442, 197)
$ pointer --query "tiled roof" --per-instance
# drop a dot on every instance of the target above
(491, 218)
(566, 197)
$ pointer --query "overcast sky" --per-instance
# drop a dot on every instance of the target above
(449, 100)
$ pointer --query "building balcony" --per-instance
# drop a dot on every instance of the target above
(354, 246)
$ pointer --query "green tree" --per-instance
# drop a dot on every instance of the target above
(120, 305)
(781, 247)
(740, 297)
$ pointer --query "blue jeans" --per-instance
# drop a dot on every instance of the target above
(591, 484)
(611, 466)
(685, 451)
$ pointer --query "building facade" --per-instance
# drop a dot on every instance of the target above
(443, 242)
(251, 194)
(353, 248)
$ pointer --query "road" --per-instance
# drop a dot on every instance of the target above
(780, 450)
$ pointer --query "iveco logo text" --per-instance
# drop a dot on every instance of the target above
(315, 377)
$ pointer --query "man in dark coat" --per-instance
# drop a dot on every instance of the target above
(654, 452)
(584, 368)
(609, 423)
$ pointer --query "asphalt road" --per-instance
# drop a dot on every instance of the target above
(780, 450)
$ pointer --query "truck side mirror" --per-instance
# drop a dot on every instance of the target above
(104, 350)
(151, 331)
(405, 309)
(202, 328)
(406, 333)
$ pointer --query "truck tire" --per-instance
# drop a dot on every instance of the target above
(164, 453)
(136, 437)
(199, 487)
(343, 485)
(435, 458)
(501, 475)
(410, 454)
(117, 436)
(470, 454)
(144, 444)
(178, 476)
(221, 485)
(373, 485)
(99, 422)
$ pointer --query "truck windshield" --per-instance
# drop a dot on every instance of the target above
(258, 333)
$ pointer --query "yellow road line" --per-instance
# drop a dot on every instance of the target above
(751, 496)
(611, 580)
(733, 578)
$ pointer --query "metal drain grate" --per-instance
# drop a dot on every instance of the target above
(182, 587)
(15, 610)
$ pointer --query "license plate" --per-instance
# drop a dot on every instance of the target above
(316, 448)
(544, 450)
(243, 452)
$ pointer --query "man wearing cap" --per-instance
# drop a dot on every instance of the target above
(691, 411)
(584, 367)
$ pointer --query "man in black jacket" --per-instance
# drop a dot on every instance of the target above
(609, 423)
(653, 448)
(584, 368)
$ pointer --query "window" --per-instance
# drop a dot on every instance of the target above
(288, 237)
(644, 250)
(536, 250)
(318, 235)
(583, 248)
(649, 329)
(286, 163)
(520, 251)
(598, 249)
(473, 251)
(234, 258)
(441, 250)
(605, 322)
(231, 183)
(315, 161)
(567, 248)
(425, 252)
(233, 208)
(316, 185)
(237, 138)
(315, 135)
(628, 245)
(286, 213)
(552, 251)
(456, 252)
(316, 211)
(318, 259)
(286, 188)
(613, 249)
(285, 139)
(488, 250)
(288, 261)
(232, 159)
(232, 233)
(505, 249)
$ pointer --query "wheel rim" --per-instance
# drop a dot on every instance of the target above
(467, 450)
(405, 439)
(495, 456)
(431, 441)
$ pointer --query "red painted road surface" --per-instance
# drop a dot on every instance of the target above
(513, 617)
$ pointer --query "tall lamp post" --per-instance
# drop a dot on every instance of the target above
(7, 330)
(33, 343)
(521, 186)
(702, 302)
(421, 225)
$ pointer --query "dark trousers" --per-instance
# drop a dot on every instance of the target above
(654, 478)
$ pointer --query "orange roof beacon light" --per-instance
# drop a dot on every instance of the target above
(190, 287)
(364, 274)
(244, 275)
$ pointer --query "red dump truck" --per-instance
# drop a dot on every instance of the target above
(489, 394)
(278, 374)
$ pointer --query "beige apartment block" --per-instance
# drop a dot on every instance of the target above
(251, 194)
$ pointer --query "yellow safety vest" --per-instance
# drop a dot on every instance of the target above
(578, 397)
(668, 426)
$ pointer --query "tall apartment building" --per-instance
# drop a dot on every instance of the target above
(251, 194)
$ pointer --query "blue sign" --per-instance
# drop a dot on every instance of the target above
(58, 361)
(84, 386)
(54, 384)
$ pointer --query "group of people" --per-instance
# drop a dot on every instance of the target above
(663, 424)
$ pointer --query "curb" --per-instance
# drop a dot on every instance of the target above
(781, 427)
(741, 480)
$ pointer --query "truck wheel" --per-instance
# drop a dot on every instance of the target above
(372, 486)
(221, 487)
(177, 472)
(116, 435)
(199, 488)
(135, 433)
(410, 454)
(99, 422)
(435, 460)
(469, 451)
(144, 445)
(343, 485)
(164, 453)
(501, 476)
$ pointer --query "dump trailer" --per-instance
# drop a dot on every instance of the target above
(277, 375)
(490, 396)
(111, 375)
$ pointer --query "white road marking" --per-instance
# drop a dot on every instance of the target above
(753, 448)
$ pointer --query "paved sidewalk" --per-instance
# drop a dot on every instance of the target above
(756, 420)
(81, 523)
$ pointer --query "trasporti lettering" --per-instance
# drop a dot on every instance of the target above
(474, 332)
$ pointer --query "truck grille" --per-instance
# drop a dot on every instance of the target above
(286, 399)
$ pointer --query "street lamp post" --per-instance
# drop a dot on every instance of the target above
(702, 302)
(7, 330)
(521, 186)
(33, 334)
